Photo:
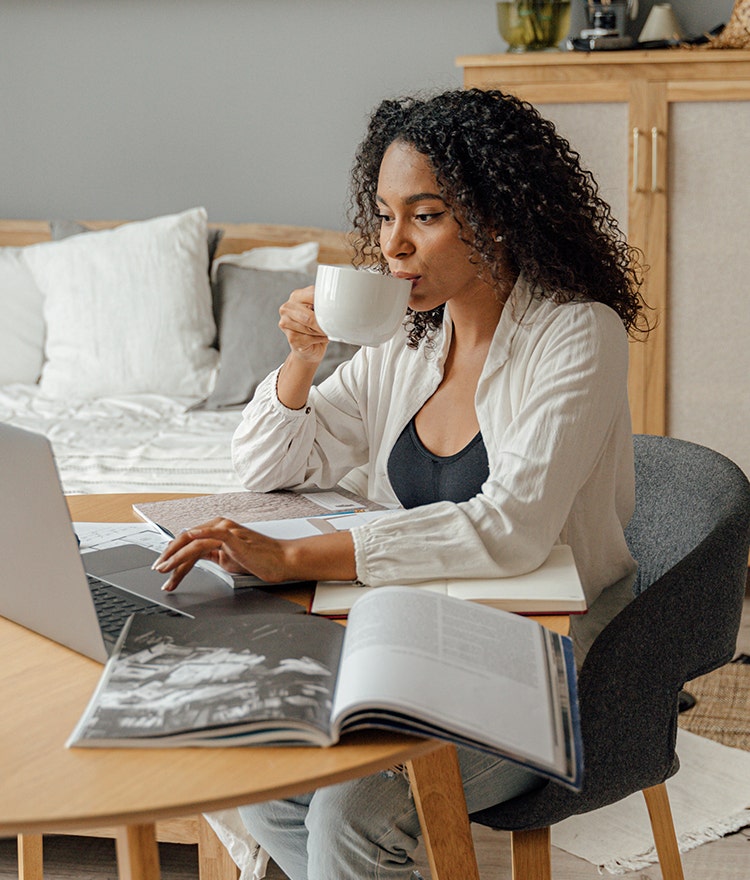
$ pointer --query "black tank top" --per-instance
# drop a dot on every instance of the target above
(418, 476)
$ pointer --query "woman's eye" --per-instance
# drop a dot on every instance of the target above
(423, 217)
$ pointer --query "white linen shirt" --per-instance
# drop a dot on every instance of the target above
(552, 407)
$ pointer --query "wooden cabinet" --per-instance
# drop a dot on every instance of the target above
(667, 135)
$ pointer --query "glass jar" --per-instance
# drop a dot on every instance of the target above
(533, 25)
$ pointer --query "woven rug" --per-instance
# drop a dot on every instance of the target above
(709, 796)
(722, 709)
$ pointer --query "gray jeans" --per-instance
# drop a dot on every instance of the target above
(368, 829)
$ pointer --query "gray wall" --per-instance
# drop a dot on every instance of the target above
(132, 108)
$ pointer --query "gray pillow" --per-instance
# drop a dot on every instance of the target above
(61, 229)
(251, 344)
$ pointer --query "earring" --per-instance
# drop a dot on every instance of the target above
(499, 238)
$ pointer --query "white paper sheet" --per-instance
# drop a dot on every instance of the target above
(97, 536)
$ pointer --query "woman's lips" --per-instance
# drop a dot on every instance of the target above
(407, 277)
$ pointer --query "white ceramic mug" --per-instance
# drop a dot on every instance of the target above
(357, 306)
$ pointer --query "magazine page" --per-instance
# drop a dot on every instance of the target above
(475, 672)
(320, 524)
(172, 681)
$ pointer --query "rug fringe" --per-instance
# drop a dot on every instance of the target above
(687, 841)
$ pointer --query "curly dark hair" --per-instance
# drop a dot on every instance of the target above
(504, 170)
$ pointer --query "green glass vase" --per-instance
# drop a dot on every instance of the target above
(533, 25)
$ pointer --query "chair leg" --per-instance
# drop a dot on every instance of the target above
(30, 860)
(531, 853)
(662, 827)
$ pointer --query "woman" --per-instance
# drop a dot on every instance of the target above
(498, 418)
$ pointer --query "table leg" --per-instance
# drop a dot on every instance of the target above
(30, 859)
(439, 797)
(137, 853)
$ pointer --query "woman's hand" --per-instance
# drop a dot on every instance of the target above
(238, 549)
(234, 547)
(297, 321)
(308, 344)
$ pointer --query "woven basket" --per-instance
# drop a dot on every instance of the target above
(736, 35)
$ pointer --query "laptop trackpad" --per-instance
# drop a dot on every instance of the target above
(128, 566)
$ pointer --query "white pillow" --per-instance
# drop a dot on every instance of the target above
(21, 320)
(128, 310)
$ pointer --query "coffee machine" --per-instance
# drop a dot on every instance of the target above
(607, 25)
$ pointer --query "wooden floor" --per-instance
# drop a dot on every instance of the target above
(82, 858)
(87, 858)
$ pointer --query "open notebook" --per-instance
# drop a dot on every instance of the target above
(553, 588)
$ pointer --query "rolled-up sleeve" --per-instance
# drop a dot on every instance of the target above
(315, 446)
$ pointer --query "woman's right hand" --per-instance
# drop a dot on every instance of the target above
(297, 321)
(239, 549)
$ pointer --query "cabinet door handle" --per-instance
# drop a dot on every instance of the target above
(636, 162)
(654, 159)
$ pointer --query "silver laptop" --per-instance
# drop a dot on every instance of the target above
(48, 586)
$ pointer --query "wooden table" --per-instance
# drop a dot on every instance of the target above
(44, 688)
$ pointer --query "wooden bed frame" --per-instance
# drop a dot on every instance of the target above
(335, 247)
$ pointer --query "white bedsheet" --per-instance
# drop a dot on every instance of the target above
(137, 443)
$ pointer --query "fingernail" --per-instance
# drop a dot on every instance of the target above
(166, 587)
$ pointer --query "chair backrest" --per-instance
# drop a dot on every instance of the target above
(690, 535)
(691, 519)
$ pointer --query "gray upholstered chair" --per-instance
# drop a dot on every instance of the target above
(690, 535)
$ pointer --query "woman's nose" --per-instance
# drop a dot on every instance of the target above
(395, 243)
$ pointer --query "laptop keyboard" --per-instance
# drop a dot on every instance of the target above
(113, 608)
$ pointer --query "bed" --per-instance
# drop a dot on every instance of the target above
(134, 346)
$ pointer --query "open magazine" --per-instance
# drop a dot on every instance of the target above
(410, 661)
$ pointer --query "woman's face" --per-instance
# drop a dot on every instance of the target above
(418, 234)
